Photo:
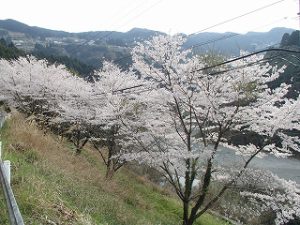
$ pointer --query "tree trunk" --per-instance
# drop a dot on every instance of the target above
(110, 169)
(185, 213)
(78, 151)
(188, 222)
(110, 161)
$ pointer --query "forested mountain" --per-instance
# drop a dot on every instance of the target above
(88, 47)
(36, 32)
(9, 51)
(291, 60)
(93, 47)
(231, 43)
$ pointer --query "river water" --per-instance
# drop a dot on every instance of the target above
(288, 168)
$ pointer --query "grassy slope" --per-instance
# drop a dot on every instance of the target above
(54, 186)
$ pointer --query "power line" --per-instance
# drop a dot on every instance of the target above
(246, 56)
(237, 17)
(230, 35)
(213, 66)
(218, 24)
(264, 60)
(124, 89)
(127, 13)
(133, 18)
(213, 40)
(208, 41)
(222, 38)
(233, 60)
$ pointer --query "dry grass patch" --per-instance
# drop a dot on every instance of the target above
(27, 138)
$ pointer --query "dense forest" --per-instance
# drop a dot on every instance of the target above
(10, 51)
(291, 74)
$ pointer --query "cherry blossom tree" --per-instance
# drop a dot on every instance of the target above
(27, 79)
(176, 117)
(191, 113)
(45, 93)
(116, 106)
(81, 110)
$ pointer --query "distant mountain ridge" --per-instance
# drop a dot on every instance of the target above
(93, 46)
(34, 31)
(88, 47)
(16, 26)
(231, 43)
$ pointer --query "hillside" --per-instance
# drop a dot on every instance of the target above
(231, 43)
(54, 186)
(88, 47)
(9, 51)
(92, 47)
(291, 74)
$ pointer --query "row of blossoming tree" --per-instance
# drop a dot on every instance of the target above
(171, 113)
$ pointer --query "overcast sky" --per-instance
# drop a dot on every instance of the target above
(170, 16)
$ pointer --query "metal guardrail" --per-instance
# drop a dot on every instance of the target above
(11, 203)
(2, 119)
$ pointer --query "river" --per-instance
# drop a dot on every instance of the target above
(288, 168)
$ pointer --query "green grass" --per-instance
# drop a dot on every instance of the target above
(54, 186)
